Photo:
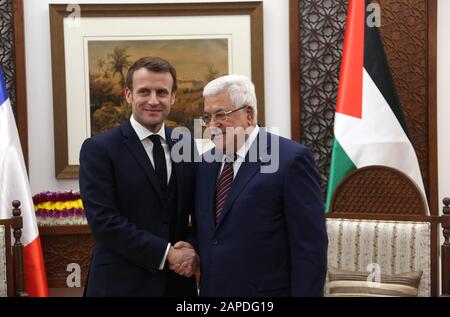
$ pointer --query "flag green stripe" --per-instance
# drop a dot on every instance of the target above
(341, 165)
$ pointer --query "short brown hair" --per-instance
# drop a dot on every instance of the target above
(153, 64)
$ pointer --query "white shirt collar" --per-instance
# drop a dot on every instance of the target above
(242, 151)
(143, 133)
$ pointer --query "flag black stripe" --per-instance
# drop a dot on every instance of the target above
(376, 65)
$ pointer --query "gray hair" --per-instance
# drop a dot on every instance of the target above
(241, 90)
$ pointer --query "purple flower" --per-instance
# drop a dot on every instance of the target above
(55, 197)
(54, 213)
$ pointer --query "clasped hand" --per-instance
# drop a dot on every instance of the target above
(183, 259)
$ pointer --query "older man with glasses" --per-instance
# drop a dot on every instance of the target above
(258, 233)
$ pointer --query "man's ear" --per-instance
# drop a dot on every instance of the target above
(174, 95)
(128, 95)
(250, 114)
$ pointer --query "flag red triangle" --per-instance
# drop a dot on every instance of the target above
(351, 76)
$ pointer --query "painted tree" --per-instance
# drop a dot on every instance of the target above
(119, 62)
(212, 73)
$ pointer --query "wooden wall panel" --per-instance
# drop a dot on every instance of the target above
(404, 33)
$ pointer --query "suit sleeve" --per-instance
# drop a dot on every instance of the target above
(192, 233)
(192, 230)
(305, 218)
(110, 229)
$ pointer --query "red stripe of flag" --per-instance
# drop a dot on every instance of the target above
(34, 269)
(351, 76)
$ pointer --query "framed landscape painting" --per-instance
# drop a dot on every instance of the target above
(202, 60)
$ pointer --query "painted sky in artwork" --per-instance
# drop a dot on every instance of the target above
(191, 58)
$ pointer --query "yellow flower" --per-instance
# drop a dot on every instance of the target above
(60, 205)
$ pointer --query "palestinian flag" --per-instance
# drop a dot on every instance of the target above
(369, 126)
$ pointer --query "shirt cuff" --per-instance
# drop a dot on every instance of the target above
(161, 266)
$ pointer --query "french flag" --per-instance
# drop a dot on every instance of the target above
(14, 185)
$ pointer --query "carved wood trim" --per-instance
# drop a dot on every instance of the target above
(432, 110)
(9, 260)
(445, 248)
(14, 252)
(378, 190)
(17, 225)
(294, 37)
(64, 230)
(21, 86)
(63, 245)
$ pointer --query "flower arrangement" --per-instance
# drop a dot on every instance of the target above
(59, 208)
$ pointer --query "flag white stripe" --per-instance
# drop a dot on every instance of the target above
(377, 138)
(14, 183)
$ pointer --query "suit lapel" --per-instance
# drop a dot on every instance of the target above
(211, 174)
(246, 171)
(207, 176)
(177, 169)
(136, 149)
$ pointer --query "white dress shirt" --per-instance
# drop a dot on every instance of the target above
(143, 134)
(241, 152)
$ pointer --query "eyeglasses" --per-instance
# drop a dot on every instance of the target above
(218, 116)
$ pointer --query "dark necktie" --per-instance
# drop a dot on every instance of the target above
(159, 158)
(223, 187)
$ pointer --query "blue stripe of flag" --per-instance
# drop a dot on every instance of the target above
(3, 92)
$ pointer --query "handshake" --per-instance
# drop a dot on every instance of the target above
(183, 259)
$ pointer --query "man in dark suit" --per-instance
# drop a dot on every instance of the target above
(259, 210)
(137, 198)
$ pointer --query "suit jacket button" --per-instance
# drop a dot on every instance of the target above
(215, 242)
